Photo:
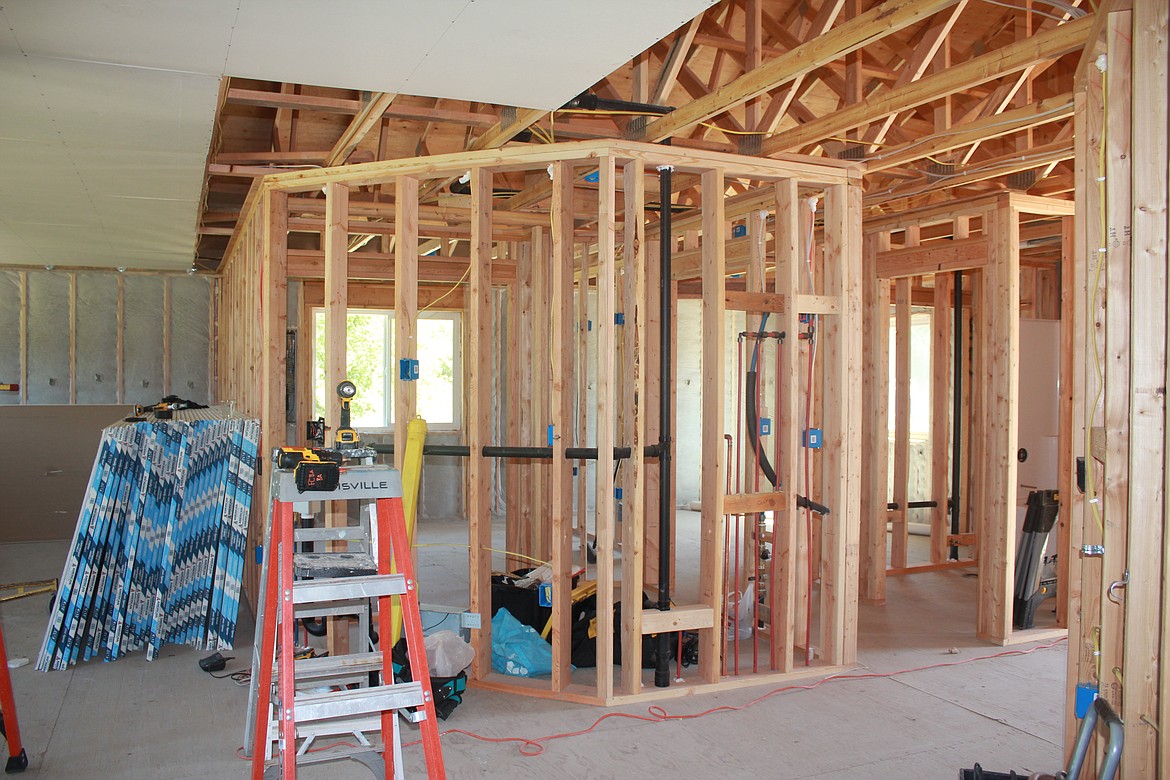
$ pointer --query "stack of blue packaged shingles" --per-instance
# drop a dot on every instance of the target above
(158, 553)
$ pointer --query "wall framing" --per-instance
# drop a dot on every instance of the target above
(598, 241)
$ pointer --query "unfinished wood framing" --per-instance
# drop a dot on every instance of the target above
(1117, 615)
(992, 260)
(592, 243)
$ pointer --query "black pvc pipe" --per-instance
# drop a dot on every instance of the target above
(914, 505)
(591, 102)
(957, 411)
(666, 317)
(508, 452)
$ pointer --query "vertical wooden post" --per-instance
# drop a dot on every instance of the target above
(606, 406)
(519, 359)
(479, 401)
(1116, 482)
(875, 423)
(274, 305)
(336, 242)
(1071, 428)
(901, 515)
(842, 421)
(997, 553)
(633, 527)
(650, 310)
(405, 306)
(711, 491)
(786, 523)
(562, 374)
(582, 395)
(1145, 648)
(940, 417)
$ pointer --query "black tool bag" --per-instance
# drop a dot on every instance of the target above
(447, 692)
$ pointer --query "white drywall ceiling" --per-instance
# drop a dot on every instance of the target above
(106, 108)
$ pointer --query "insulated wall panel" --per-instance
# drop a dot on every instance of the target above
(97, 338)
(10, 327)
(48, 338)
(142, 343)
(190, 340)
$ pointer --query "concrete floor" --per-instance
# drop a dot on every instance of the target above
(167, 719)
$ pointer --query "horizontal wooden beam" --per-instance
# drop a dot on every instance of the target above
(1038, 113)
(689, 617)
(376, 266)
(979, 171)
(872, 25)
(755, 302)
(374, 295)
(754, 503)
(1008, 59)
(932, 257)
(264, 99)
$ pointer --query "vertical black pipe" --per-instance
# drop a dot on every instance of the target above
(662, 667)
(957, 413)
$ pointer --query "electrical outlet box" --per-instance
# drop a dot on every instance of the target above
(812, 438)
(470, 620)
(765, 426)
(408, 370)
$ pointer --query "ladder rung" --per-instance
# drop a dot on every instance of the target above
(361, 701)
(335, 564)
(339, 533)
(335, 665)
(341, 588)
(333, 754)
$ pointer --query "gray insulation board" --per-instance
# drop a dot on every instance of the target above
(48, 338)
(97, 338)
(142, 344)
(10, 327)
(190, 339)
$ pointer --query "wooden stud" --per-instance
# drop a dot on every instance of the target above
(1145, 648)
(786, 522)
(606, 406)
(900, 517)
(405, 307)
(479, 402)
(633, 520)
(562, 395)
(875, 423)
(1001, 288)
(336, 245)
(841, 335)
(940, 418)
(711, 491)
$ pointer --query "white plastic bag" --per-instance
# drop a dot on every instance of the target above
(747, 612)
(447, 653)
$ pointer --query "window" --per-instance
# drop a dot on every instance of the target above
(921, 381)
(370, 364)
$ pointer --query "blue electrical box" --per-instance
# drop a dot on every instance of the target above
(593, 178)
(619, 318)
(551, 432)
(545, 597)
(812, 438)
(1086, 695)
(738, 231)
(407, 370)
(765, 426)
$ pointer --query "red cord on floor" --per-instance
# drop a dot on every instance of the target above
(534, 746)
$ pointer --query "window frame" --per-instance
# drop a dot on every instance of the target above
(392, 369)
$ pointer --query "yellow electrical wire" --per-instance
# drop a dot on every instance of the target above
(453, 288)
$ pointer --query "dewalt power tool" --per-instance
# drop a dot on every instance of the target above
(347, 437)
(313, 469)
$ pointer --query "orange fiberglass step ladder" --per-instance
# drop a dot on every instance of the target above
(286, 718)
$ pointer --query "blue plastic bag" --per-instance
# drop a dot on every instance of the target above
(518, 649)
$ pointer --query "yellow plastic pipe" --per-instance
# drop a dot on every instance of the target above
(412, 460)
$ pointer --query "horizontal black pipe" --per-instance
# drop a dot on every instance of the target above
(915, 504)
(591, 102)
(525, 453)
